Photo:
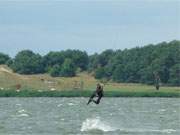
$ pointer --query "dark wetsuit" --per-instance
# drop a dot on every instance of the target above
(157, 81)
(98, 93)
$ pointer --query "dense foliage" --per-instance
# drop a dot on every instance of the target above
(140, 65)
(136, 65)
(27, 62)
(3, 58)
(63, 63)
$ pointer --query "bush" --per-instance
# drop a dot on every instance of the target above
(175, 75)
(99, 73)
(55, 71)
(68, 68)
(4, 58)
(119, 75)
(27, 62)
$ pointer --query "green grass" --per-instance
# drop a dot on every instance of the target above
(41, 85)
(85, 93)
(34, 93)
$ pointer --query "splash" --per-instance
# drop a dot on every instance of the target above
(71, 104)
(22, 113)
(95, 124)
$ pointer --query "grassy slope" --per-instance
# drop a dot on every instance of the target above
(66, 86)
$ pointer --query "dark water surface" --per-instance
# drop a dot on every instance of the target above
(66, 116)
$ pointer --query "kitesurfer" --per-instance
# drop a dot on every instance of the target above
(98, 93)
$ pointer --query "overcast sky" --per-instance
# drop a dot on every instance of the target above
(93, 26)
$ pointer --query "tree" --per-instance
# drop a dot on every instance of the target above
(175, 75)
(80, 59)
(68, 68)
(93, 62)
(4, 58)
(55, 71)
(119, 74)
(146, 75)
(53, 58)
(27, 62)
(137, 65)
(9, 62)
(104, 57)
(100, 73)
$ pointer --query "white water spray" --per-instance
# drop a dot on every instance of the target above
(95, 124)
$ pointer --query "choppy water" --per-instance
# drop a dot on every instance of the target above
(66, 116)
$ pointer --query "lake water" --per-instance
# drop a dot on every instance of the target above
(71, 116)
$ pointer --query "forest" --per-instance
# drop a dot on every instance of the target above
(136, 65)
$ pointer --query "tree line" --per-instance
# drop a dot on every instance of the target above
(136, 65)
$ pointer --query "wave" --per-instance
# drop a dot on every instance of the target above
(23, 115)
(22, 111)
(59, 105)
(95, 124)
(71, 104)
(168, 131)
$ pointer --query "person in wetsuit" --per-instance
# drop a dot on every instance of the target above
(98, 93)
(157, 81)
